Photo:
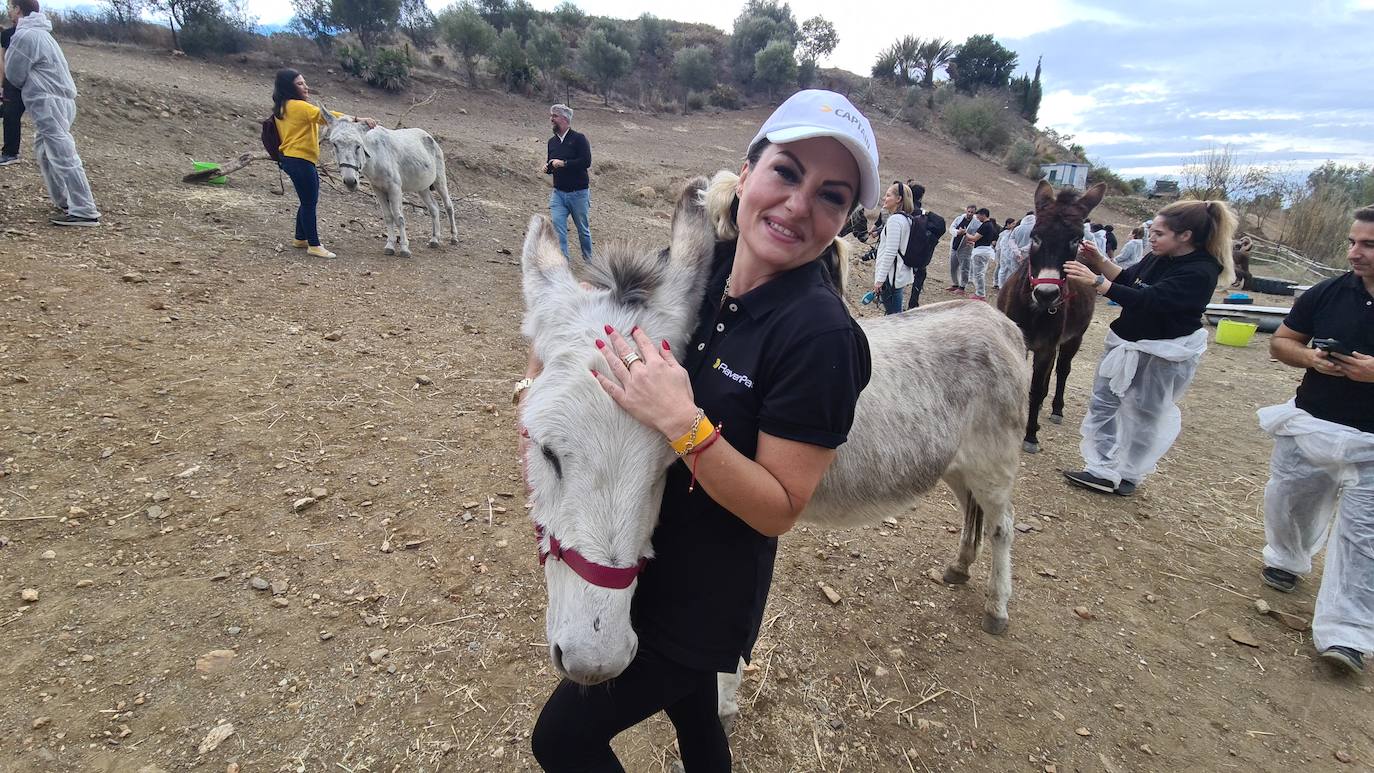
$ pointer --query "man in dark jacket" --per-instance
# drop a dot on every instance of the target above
(570, 156)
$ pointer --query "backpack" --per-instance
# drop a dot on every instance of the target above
(271, 138)
(925, 232)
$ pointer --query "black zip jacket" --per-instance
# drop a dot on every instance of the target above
(1163, 298)
(576, 154)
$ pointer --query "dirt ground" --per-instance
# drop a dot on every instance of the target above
(174, 384)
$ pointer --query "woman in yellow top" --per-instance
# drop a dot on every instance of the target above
(298, 124)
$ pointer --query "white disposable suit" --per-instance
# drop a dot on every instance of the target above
(35, 65)
(1322, 469)
(1133, 416)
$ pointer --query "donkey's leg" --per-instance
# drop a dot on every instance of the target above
(398, 218)
(727, 693)
(385, 204)
(1067, 350)
(994, 500)
(427, 196)
(971, 536)
(1040, 386)
(440, 187)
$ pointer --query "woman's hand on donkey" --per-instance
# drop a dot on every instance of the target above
(1079, 274)
(1089, 256)
(654, 388)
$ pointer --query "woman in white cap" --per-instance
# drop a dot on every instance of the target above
(763, 397)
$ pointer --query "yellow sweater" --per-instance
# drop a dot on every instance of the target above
(300, 130)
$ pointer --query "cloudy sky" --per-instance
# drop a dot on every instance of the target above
(1143, 86)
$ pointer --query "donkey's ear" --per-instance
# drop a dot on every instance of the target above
(693, 237)
(329, 118)
(541, 259)
(1044, 194)
(1092, 198)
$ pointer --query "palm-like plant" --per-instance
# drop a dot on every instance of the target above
(907, 50)
(930, 56)
(885, 67)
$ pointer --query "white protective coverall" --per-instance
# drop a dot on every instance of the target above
(35, 65)
(1320, 469)
(1017, 248)
(1133, 416)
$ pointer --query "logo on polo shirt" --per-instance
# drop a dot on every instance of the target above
(738, 378)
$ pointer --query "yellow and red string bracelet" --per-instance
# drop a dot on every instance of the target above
(700, 437)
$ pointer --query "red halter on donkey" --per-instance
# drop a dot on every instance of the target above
(1052, 317)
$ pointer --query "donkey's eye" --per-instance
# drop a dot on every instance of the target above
(553, 460)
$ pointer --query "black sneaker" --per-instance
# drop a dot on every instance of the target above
(1279, 579)
(1346, 658)
(1092, 482)
(73, 220)
(6, 159)
(1125, 488)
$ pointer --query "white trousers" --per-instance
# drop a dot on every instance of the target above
(58, 162)
(1006, 266)
(976, 269)
(1133, 417)
(1321, 494)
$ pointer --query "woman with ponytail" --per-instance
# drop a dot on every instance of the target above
(763, 396)
(1154, 347)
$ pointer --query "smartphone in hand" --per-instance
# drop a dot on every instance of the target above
(1332, 346)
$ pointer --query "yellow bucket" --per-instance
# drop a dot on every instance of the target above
(1232, 333)
(202, 166)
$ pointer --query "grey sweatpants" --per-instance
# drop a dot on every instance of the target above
(58, 162)
(958, 260)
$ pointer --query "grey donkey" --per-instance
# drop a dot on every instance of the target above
(395, 162)
(944, 403)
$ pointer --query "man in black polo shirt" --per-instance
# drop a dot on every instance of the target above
(570, 156)
(1323, 462)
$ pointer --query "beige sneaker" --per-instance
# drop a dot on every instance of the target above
(300, 244)
(320, 252)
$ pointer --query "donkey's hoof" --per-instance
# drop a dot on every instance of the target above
(1056, 418)
(452, 240)
(432, 243)
(994, 625)
(1029, 447)
(955, 576)
(404, 253)
(388, 251)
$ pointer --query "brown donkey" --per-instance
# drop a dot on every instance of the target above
(1051, 315)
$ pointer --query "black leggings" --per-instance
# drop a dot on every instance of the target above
(574, 731)
(917, 285)
(306, 180)
(13, 109)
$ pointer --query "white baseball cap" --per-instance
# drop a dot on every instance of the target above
(819, 113)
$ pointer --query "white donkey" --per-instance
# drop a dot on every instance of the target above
(396, 162)
(951, 378)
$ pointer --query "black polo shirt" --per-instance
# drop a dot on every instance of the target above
(786, 359)
(1339, 308)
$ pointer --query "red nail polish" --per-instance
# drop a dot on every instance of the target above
(634, 330)
(600, 344)
(594, 373)
(609, 330)
(666, 347)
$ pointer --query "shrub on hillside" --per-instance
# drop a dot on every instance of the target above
(353, 60)
(725, 96)
(212, 32)
(76, 25)
(1115, 183)
(389, 70)
(696, 101)
(978, 125)
(1019, 156)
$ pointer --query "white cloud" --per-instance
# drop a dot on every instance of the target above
(1247, 114)
(1099, 138)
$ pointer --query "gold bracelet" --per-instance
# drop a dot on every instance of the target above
(694, 436)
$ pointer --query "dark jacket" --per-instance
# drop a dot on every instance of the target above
(576, 154)
(1163, 298)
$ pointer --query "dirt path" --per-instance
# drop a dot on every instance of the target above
(173, 385)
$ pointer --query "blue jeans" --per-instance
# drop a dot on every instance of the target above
(578, 204)
(892, 301)
(305, 178)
